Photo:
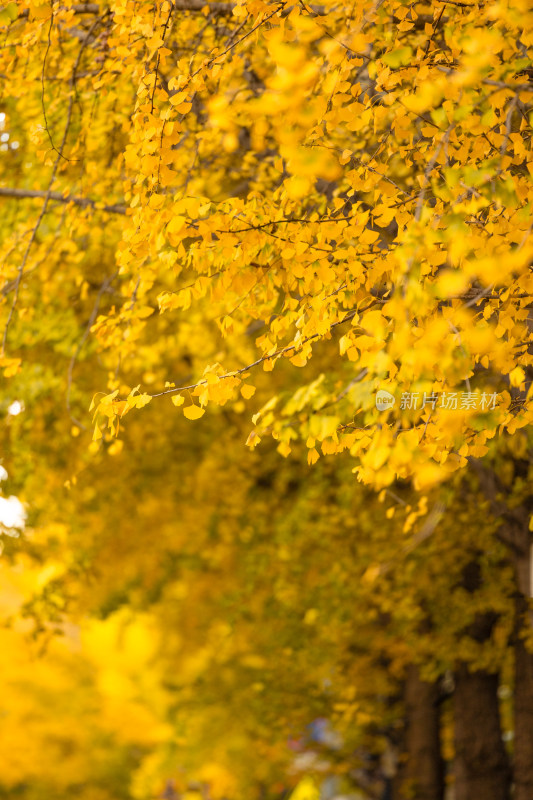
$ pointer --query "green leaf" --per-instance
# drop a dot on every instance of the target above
(398, 58)
(9, 13)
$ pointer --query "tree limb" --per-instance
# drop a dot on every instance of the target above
(84, 202)
(186, 5)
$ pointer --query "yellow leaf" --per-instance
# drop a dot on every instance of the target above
(247, 391)
(253, 439)
(178, 98)
(345, 157)
(428, 475)
(140, 400)
(193, 412)
(299, 360)
(306, 790)
(156, 201)
(176, 224)
(297, 187)
(11, 366)
(517, 376)
(178, 399)
(313, 456)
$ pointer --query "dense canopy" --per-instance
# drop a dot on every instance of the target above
(267, 354)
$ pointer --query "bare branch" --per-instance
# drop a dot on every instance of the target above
(47, 196)
(84, 202)
(197, 5)
(86, 8)
(517, 87)
(280, 352)
(187, 5)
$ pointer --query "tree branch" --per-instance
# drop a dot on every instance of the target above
(84, 202)
(187, 5)
(197, 5)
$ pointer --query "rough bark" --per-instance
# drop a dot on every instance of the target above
(516, 535)
(421, 776)
(523, 714)
(517, 530)
(481, 764)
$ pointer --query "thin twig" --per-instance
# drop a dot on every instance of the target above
(47, 198)
(280, 352)
(84, 202)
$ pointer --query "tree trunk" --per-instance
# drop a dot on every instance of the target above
(516, 535)
(481, 764)
(516, 532)
(421, 775)
(523, 714)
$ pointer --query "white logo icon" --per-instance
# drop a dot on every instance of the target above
(384, 400)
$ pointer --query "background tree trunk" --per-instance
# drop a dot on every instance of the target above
(481, 764)
(523, 709)
(421, 776)
(516, 535)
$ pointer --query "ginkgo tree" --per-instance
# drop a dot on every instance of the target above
(223, 602)
(316, 215)
(300, 183)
